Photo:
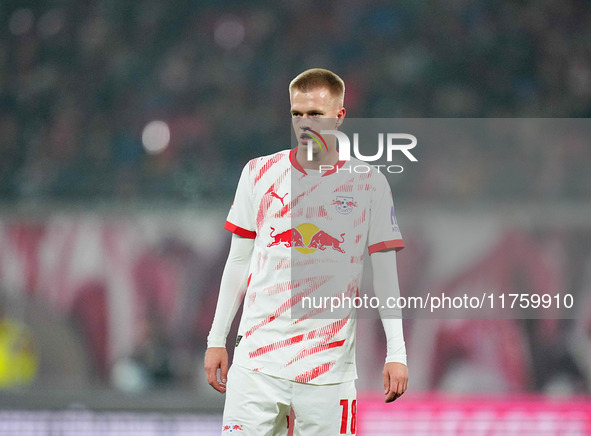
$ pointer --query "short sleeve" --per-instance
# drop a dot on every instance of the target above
(241, 218)
(384, 233)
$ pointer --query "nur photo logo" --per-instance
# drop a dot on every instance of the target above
(394, 142)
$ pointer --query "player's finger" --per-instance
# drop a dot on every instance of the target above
(217, 386)
(391, 397)
(211, 375)
(392, 391)
(212, 379)
(221, 386)
(224, 371)
(400, 387)
(386, 376)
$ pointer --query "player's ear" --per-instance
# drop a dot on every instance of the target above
(340, 116)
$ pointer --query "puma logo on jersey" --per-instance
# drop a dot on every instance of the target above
(273, 194)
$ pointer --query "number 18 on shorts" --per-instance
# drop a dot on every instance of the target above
(259, 405)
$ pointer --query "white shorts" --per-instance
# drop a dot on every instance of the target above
(259, 405)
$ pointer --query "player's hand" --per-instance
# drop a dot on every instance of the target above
(216, 358)
(395, 380)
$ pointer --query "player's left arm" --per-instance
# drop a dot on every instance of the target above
(385, 282)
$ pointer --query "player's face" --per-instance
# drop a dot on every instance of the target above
(314, 110)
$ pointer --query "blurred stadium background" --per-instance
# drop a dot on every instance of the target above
(123, 129)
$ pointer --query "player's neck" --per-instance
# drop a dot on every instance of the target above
(330, 157)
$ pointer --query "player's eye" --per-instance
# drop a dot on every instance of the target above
(296, 115)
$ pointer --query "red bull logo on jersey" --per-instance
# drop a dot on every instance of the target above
(291, 238)
(232, 428)
(344, 205)
(323, 240)
(307, 238)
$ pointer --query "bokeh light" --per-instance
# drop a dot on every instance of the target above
(229, 33)
(156, 136)
(50, 23)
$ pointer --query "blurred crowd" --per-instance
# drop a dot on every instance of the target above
(80, 80)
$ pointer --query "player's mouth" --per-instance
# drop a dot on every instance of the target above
(305, 137)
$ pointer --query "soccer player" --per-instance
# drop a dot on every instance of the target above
(300, 228)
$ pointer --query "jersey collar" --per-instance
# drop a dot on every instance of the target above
(297, 166)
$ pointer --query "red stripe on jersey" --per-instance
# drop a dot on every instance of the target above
(261, 261)
(295, 202)
(347, 186)
(398, 244)
(240, 231)
(278, 288)
(276, 345)
(356, 259)
(330, 330)
(312, 283)
(311, 314)
(317, 212)
(287, 263)
(299, 197)
(352, 288)
(251, 299)
(267, 165)
(252, 164)
(344, 188)
(360, 220)
(267, 199)
(313, 373)
(264, 206)
(327, 332)
(283, 264)
(316, 349)
(283, 210)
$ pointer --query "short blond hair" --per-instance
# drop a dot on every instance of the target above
(317, 78)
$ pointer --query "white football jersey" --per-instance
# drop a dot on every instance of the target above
(310, 232)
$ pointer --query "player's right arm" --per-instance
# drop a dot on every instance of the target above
(232, 290)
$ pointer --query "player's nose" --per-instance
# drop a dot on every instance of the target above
(306, 126)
